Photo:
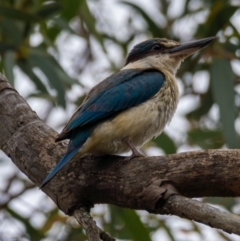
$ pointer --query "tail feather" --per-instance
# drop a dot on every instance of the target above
(78, 138)
(63, 135)
(63, 161)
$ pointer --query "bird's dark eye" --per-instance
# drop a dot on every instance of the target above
(157, 47)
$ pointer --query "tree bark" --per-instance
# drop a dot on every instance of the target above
(112, 180)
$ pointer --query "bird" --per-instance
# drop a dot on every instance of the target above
(131, 106)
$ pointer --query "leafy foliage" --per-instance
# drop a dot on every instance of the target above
(33, 40)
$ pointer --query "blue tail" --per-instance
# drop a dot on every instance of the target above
(77, 140)
(63, 161)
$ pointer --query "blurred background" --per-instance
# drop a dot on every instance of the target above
(54, 52)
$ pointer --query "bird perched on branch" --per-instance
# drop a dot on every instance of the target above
(131, 106)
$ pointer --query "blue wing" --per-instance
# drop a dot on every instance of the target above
(122, 90)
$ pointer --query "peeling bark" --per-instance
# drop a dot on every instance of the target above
(30, 144)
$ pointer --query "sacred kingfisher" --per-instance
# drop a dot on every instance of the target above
(131, 106)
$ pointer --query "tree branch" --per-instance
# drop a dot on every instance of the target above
(86, 181)
(201, 212)
(85, 220)
(93, 232)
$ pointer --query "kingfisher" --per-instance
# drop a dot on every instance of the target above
(131, 106)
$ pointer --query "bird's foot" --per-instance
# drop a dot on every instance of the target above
(135, 152)
(91, 156)
(134, 155)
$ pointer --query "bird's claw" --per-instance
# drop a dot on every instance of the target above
(134, 155)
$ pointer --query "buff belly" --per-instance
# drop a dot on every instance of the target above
(138, 124)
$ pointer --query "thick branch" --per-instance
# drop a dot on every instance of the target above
(30, 144)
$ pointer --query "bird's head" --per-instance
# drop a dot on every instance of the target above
(162, 53)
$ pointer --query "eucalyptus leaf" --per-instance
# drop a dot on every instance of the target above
(206, 101)
(49, 9)
(9, 63)
(221, 11)
(90, 22)
(27, 69)
(33, 233)
(132, 223)
(153, 27)
(16, 14)
(222, 85)
(48, 68)
(206, 139)
(12, 33)
(164, 142)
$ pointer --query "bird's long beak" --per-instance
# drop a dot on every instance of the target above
(187, 49)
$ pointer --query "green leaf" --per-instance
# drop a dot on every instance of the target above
(132, 223)
(62, 24)
(206, 102)
(44, 96)
(27, 69)
(9, 62)
(53, 217)
(152, 26)
(11, 32)
(222, 11)
(13, 13)
(33, 233)
(90, 22)
(222, 85)
(70, 8)
(5, 47)
(45, 63)
(49, 9)
(168, 230)
(66, 79)
(166, 143)
(206, 139)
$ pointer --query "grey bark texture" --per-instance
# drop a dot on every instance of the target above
(142, 183)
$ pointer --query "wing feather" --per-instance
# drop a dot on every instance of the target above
(122, 90)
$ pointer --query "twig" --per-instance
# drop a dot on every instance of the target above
(4, 204)
(85, 220)
(93, 232)
(194, 210)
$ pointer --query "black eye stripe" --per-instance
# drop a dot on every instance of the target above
(146, 48)
(157, 47)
